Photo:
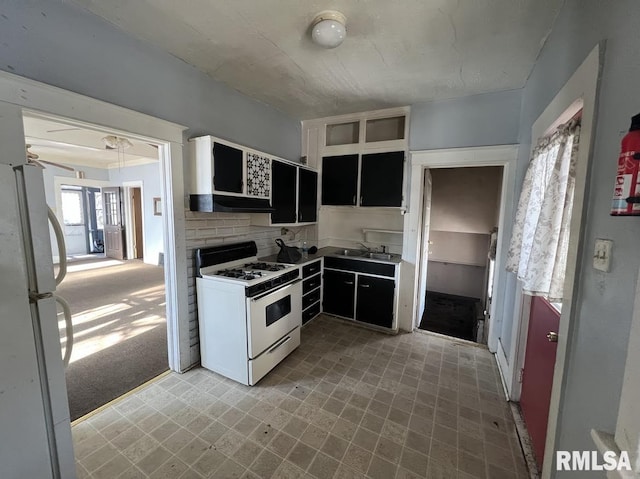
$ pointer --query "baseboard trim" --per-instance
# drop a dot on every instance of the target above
(525, 441)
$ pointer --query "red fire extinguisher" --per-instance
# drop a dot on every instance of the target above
(626, 192)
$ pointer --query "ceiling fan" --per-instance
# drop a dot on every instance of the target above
(34, 159)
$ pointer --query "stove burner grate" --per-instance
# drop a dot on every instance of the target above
(239, 274)
(265, 266)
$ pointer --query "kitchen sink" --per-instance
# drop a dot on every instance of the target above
(351, 252)
(386, 256)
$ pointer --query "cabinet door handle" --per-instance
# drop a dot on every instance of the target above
(361, 201)
(365, 285)
(300, 216)
(354, 199)
(348, 282)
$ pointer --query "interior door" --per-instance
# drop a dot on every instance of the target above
(537, 377)
(113, 229)
(424, 253)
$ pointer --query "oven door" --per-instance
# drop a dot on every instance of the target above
(273, 315)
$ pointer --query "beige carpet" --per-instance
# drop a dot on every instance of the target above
(120, 333)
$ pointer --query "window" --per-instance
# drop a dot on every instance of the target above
(99, 216)
(72, 210)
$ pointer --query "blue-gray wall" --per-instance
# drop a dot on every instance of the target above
(478, 120)
(597, 350)
(153, 233)
(62, 45)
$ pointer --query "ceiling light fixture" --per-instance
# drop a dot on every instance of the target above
(113, 142)
(329, 29)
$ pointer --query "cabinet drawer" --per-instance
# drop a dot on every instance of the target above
(310, 284)
(310, 313)
(381, 269)
(309, 299)
(311, 269)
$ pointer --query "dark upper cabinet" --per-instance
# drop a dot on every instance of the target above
(375, 301)
(227, 168)
(307, 195)
(339, 180)
(283, 193)
(381, 179)
(339, 293)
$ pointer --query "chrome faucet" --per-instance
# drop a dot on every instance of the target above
(365, 247)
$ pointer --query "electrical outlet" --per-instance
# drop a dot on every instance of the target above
(602, 254)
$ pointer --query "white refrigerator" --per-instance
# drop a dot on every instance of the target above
(35, 430)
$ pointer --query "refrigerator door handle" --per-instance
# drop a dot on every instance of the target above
(68, 349)
(62, 249)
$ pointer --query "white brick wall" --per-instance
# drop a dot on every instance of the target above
(209, 229)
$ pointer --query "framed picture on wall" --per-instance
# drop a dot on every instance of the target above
(157, 206)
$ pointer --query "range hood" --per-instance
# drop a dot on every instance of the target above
(232, 204)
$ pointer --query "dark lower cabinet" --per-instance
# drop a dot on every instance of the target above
(284, 195)
(339, 293)
(375, 301)
(307, 195)
(339, 180)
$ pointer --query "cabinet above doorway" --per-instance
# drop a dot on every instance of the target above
(361, 157)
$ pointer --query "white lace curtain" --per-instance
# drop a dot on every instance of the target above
(540, 238)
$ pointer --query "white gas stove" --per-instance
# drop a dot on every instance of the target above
(249, 312)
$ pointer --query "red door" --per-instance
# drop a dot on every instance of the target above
(537, 379)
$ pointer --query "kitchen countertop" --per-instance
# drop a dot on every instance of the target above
(333, 251)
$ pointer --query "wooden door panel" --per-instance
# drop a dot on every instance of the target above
(537, 379)
(113, 229)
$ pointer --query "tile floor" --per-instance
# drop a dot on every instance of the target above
(349, 403)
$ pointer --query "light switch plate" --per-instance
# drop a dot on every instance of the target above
(602, 254)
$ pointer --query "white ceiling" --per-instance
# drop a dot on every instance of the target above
(72, 145)
(396, 52)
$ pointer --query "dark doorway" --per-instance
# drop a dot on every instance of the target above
(452, 315)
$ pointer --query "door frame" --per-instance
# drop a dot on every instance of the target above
(128, 216)
(579, 91)
(503, 155)
(46, 101)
